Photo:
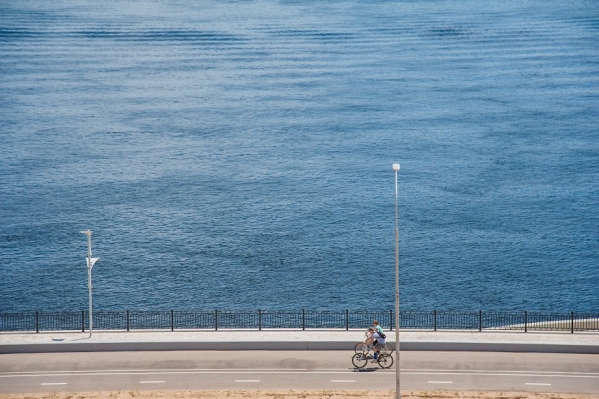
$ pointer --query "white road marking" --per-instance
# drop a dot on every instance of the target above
(151, 382)
(536, 383)
(54, 383)
(407, 371)
(343, 380)
(440, 382)
(251, 371)
(247, 380)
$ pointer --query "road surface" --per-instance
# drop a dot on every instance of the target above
(282, 370)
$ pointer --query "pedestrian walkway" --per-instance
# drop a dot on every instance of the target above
(69, 341)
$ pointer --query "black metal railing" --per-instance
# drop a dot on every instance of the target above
(434, 320)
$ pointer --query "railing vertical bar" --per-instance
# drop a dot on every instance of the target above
(127, 319)
(37, 322)
(303, 319)
(346, 319)
(525, 321)
(172, 320)
(259, 320)
(82, 320)
(435, 319)
(391, 320)
(572, 323)
(215, 320)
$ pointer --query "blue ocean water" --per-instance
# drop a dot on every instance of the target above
(237, 154)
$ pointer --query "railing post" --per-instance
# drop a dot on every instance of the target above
(259, 319)
(572, 323)
(480, 320)
(391, 320)
(303, 319)
(346, 319)
(525, 321)
(127, 319)
(435, 318)
(37, 321)
(215, 320)
(172, 320)
(82, 320)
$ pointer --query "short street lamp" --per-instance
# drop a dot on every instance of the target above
(90, 265)
(397, 392)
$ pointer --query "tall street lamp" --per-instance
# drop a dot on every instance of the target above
(397, 392)
(90, 265)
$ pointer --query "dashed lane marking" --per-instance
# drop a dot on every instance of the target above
(247, 380)
(54, 383)
(151, 382)
(440, 382)
(537, 383)
(343, 380)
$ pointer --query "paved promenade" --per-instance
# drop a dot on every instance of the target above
(580, 342)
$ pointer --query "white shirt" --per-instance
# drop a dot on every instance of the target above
(377, 337)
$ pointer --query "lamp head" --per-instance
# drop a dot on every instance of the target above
(396, 167)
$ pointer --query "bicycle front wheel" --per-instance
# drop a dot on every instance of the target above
(359, 348)
(359, 360)
(385, 361)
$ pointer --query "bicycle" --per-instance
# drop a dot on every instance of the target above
(387, 349)
(359, 360)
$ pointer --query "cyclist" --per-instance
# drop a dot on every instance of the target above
(379, 329)
(377, 342)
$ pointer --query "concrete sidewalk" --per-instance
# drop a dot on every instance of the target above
(294, 340)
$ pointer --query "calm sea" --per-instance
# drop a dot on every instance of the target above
(237, 154)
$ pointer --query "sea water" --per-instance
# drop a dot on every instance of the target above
(237, 154)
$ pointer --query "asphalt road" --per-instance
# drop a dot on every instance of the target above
(266, 370)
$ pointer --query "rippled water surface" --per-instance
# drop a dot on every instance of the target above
(236, 155)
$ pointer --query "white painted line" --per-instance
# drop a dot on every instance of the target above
(594, 376)
(266, 370)
(536, 383)
(54, 383)
(497, 371)
(343, 380)
(151, 382)
(247, 380)
(440, 382)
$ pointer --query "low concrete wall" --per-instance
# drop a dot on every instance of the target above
(499, 347)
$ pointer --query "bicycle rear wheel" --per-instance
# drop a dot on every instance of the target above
(388, 348)
(385, 361)
(359, 360)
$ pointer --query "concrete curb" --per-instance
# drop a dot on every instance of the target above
(296, 345)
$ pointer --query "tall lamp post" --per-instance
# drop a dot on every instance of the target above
(90, 265)
(397, 392)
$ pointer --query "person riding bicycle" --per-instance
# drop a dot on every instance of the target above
(377, 342)
(379, 329)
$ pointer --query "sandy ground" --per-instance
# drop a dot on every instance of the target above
(294, 395)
